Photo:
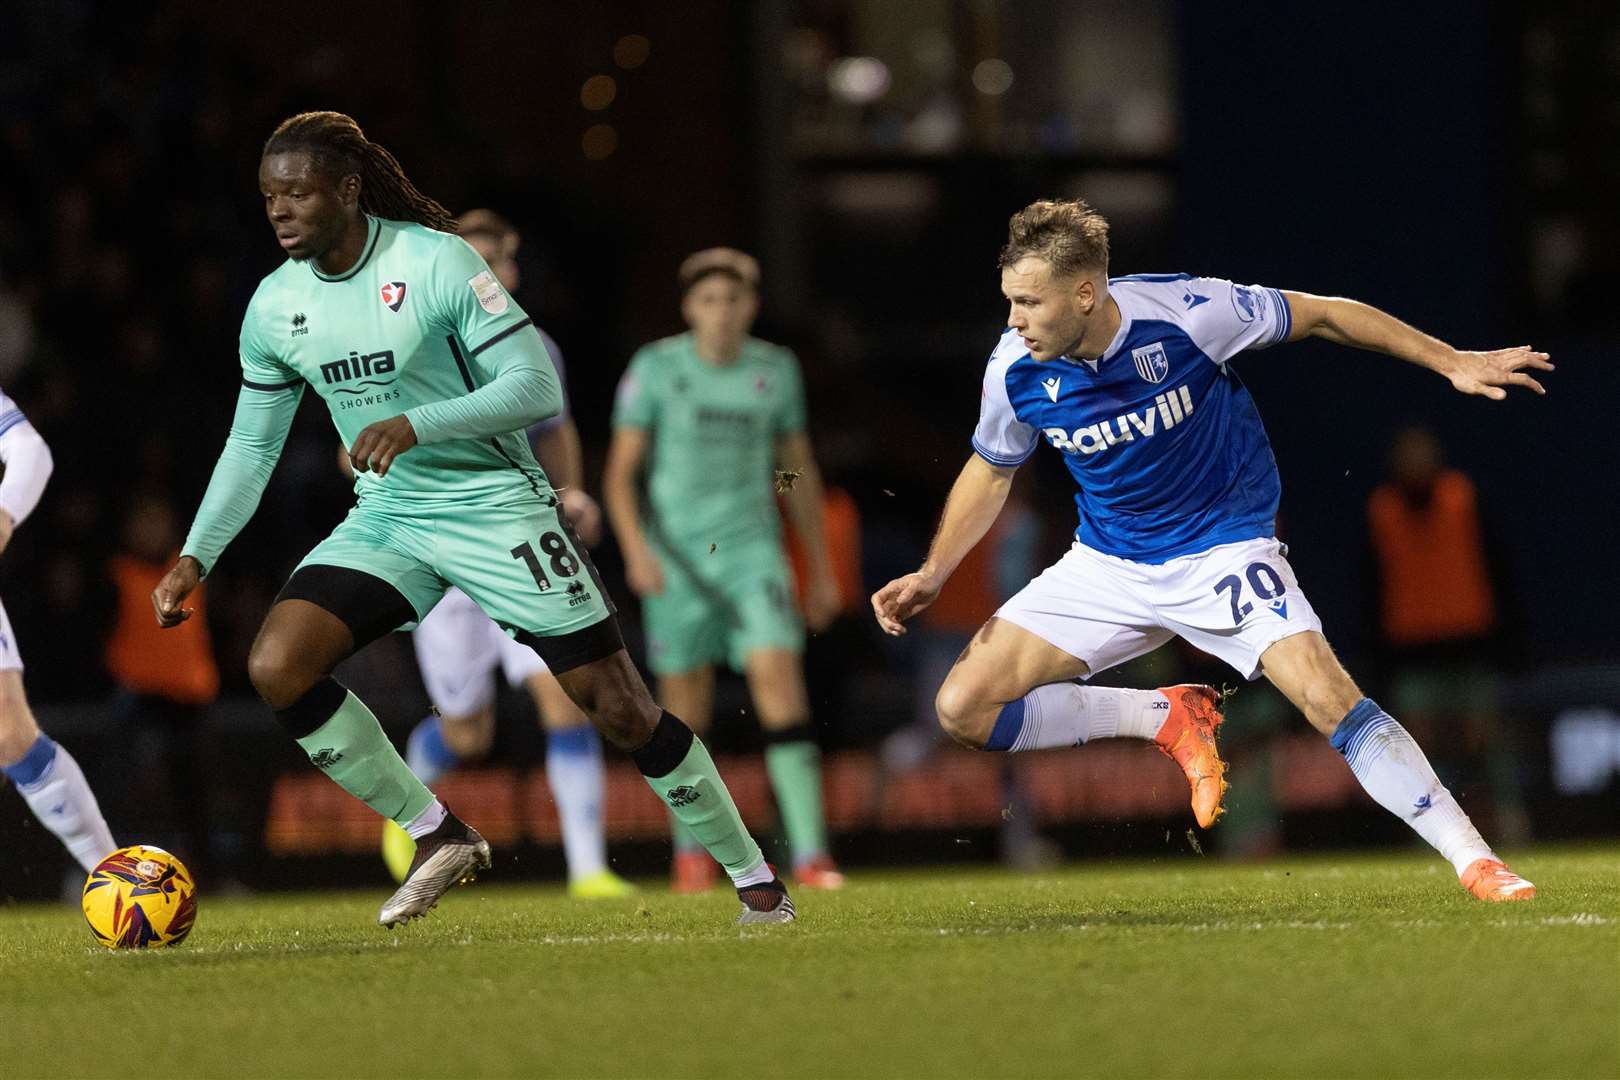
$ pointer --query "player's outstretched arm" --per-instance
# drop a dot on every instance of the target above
(258, 432)
(1350, 322)
(971, 508)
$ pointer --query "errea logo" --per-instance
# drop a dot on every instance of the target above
(1168, 409)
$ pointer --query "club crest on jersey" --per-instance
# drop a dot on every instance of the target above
(1151, 362)
(491, 297)
(1248, 303)
(393, 294)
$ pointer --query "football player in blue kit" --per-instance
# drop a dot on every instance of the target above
(1177, 490)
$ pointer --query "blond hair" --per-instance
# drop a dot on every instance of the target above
(1067, 234)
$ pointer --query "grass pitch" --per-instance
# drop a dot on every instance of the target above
(1350, 966)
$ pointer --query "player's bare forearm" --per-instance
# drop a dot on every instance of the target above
(971, 508)
(625, 455)
(1362, 326)
(557, 449)
(805, 499)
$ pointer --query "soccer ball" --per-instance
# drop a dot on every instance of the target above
(138, 897)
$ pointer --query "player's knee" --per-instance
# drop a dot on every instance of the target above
(469, 737)
(962, 714)
(277, 675)
(623, 714)
(17, 731)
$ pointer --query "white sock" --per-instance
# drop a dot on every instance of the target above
(1393, 770)
(574, 771)
(758, 875)
(61, 798)
(1068, 714)
(428, 820)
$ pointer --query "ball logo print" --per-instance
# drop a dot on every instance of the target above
(393, 294)
(139, 897)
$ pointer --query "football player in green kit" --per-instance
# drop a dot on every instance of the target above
(431, 372)
(708, 415)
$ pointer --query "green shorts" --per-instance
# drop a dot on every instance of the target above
(720, 605)
(520, 563)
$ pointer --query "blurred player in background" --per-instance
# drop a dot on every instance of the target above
(709, 414)
(458, 648)
(431, 373)
(47, 777)
(1177, 493)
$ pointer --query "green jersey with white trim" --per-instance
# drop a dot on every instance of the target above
(418, 326)
(418, 320)
(712, 436)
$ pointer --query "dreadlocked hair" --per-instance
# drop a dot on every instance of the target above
(338, 147)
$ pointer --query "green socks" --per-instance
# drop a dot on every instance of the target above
(685, 839)
(678, 767)
(352, 750)
(793, 762)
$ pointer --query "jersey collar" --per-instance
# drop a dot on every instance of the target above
(1113, 346)
(373, 230)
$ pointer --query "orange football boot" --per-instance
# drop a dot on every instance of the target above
(1490, 879)
(1188, 736)
(819, 872)
(692, 872)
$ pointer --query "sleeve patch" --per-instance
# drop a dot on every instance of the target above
(491, 297)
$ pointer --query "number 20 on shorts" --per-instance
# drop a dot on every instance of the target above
(1267, 585)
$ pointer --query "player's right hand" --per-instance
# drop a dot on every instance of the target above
(172, 591)
(902, 598)
(644, 575)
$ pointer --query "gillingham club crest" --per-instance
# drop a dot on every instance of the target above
(1151, 362)
(393, 294)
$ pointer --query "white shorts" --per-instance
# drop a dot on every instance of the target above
(10, 655)
(1233, 601)
(457, 648)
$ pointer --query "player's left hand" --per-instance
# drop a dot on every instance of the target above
(1489, 373)
(7, 526)
(583, 514)
(823, 601)
(376, 447)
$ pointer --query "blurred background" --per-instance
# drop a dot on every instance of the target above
(1454, 165)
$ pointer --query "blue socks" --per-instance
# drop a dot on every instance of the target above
(34, 764)
(426, 753)
(53, 786)
(1393, 770)
(574, 771)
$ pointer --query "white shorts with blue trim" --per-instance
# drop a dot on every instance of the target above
(1233, 601)
(458, 648)
(10, 654)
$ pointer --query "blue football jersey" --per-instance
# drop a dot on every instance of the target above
(1163, 441)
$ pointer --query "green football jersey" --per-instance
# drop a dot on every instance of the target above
(713, 430)
(419, 319)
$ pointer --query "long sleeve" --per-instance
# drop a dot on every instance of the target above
(521, 388)
(258, 432)
(28, 466)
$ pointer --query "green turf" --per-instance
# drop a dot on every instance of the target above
(1183, 967)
